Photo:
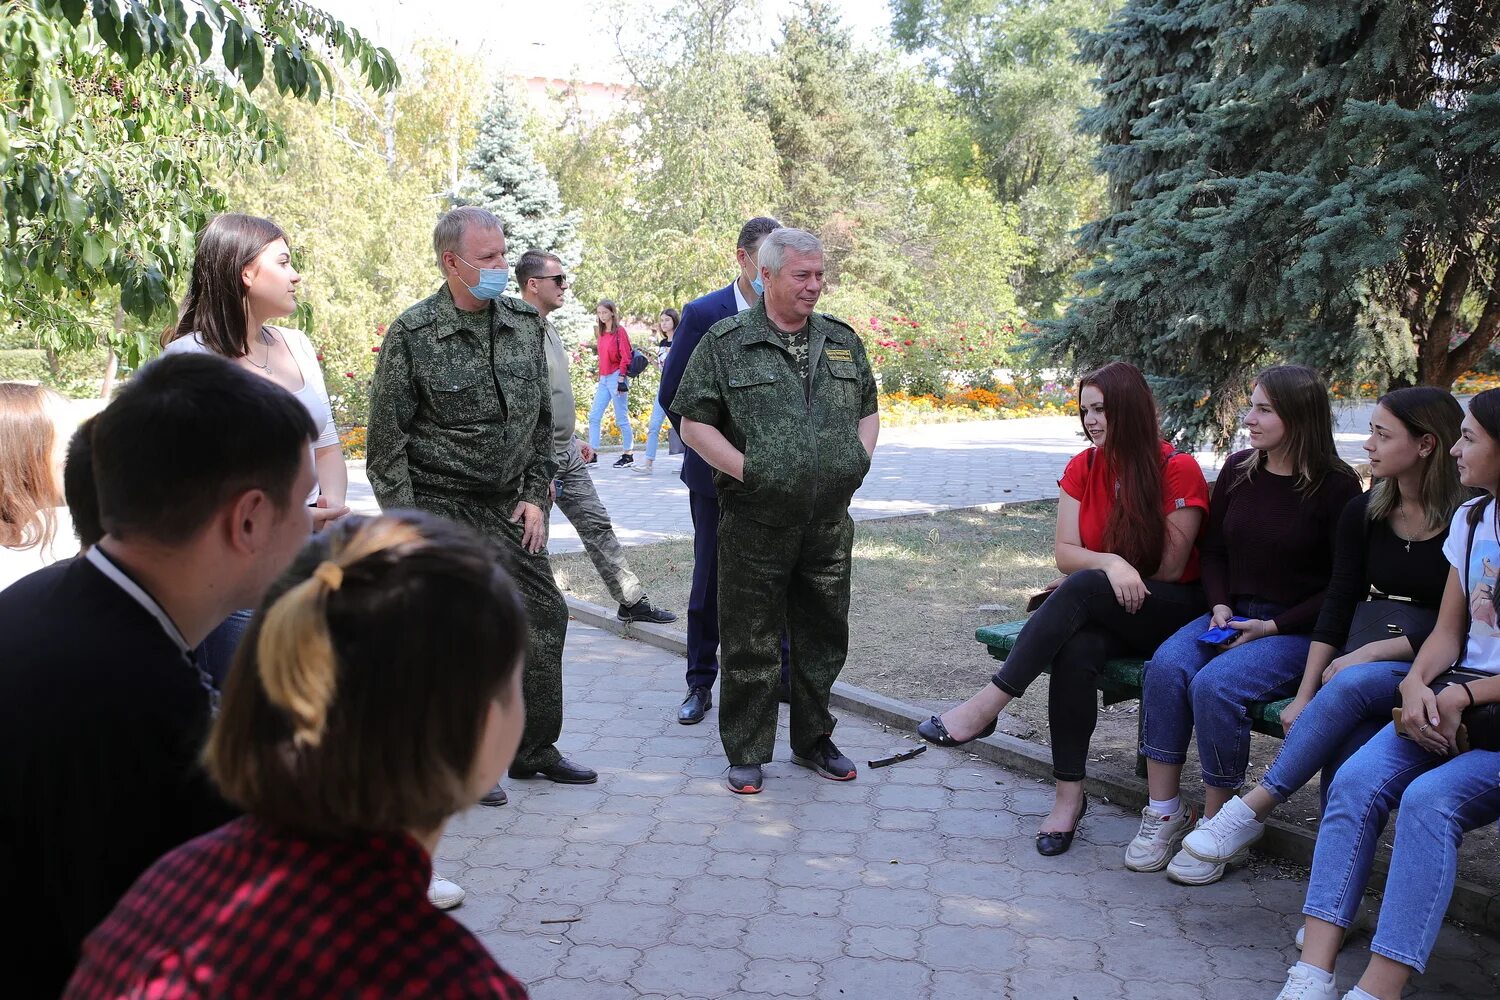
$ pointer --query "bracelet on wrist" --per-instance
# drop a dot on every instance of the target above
(1465, 686)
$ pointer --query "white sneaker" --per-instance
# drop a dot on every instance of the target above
(1301, 985)
(1187, 869)
(443, 894)
(1222, 836)
(1157, 839)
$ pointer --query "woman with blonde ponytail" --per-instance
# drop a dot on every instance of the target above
(349, 754)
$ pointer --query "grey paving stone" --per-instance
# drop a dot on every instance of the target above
(684, 970)
(777, 978)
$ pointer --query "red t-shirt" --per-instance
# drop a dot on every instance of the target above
(1094, 486)
(614, 353)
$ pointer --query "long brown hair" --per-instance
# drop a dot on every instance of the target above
(1300, 398)
(614, 318)
(215, 305)
(1137, 529)
(28, 482)
(1425, 409)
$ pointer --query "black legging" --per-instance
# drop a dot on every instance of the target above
(1076, 630)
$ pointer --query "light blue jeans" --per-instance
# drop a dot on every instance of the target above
(1340, 719)
(1189, 685)
(602, 395)
(653, 430)
(1440, 799)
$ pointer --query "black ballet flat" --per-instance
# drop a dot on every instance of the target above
(1052, 844)
(934, 732)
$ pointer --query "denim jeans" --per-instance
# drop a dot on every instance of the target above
(217, 651)
(1440, 799)
(1340, 719)
(602, 395)
(1189, 685)
(653, 430)
(1079, 627)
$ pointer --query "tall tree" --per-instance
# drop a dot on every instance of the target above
(1012, 70)
(1311, 182)
(117, 114)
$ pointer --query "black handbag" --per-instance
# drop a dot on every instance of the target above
(1387, 618)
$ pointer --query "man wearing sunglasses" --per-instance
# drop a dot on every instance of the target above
(543, 285)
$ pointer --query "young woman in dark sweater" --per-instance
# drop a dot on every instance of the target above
(1267, 556)
(1390, 544)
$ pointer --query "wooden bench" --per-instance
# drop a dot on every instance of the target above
(1120, 680)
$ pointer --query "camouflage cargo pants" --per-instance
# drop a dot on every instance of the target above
(580, 504)
(546, 615)
(772, 578)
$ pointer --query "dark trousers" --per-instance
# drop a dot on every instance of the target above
(1076, 630)
(779, 580)
(703, 599)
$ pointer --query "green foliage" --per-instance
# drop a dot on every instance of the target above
(1011, 70)
(505, 177)
(1290, 181)
(114, 117)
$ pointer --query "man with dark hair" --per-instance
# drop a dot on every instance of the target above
(543, 286)
(703, 499)
(78, 485)
(461, 426)
(200, 469)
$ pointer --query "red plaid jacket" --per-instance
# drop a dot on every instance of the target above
(245, 911)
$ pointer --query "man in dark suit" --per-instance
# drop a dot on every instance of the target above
(703, 601)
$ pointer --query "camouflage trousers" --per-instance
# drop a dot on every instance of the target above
(546, 616)
(580, 504)
(772, 578)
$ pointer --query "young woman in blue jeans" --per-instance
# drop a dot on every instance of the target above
(1390, 544)
(1267, 555)
(1441, 792)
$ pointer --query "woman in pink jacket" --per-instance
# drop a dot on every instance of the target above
(613, 344)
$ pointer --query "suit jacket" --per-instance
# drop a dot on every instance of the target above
(697, 316)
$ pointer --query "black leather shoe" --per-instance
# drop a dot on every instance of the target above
(564, 772)
(1051, 844)
(494, 797)
(934, 732)
(698, 701)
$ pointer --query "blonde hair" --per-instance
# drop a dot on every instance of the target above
(29, 489)
(358, 698)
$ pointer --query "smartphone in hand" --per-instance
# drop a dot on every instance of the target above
(1219, 636)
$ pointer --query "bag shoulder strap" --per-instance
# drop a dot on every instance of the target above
(1463, 579)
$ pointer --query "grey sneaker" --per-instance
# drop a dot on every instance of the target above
(642, 611)
(825, 758)
(744, 780)
(1157, 839)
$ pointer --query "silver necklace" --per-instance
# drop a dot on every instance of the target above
(268, 340)
(1401, 513)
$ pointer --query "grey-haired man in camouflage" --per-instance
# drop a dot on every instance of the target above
(461, 425)
(781, 401)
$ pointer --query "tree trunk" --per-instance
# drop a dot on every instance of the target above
(112, 367)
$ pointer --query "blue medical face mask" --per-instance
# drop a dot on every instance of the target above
(492, 281)
(758, 285)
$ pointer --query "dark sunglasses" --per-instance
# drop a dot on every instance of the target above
(561, 279)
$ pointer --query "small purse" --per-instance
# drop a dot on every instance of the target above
(1387, 618)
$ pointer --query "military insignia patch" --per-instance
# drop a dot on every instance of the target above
(838, 354)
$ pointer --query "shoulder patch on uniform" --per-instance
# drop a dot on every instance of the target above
(726, 325)
(420, 315)
(843, 323)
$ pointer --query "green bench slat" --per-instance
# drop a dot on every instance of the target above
(1121, 677)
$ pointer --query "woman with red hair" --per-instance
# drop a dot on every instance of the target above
(1129, 513)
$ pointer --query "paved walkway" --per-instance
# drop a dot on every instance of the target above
(917, 470)
(918, 880)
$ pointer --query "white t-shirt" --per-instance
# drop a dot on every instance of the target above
(16, 563)
(313, 395)
(1480, 579)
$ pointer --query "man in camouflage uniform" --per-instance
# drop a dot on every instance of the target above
(461, 425)
(543, 286)
(781, 401)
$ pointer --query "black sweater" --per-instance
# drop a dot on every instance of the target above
(1369, 554)
(102, 720)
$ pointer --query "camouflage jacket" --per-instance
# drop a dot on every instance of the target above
(803, 456)
(460, 405)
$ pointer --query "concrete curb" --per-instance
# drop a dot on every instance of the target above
(1472, 904)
